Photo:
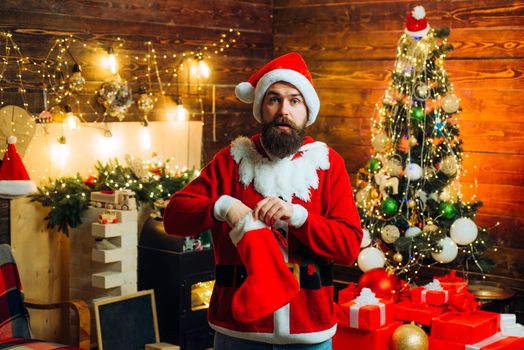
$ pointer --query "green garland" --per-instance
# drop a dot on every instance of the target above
(68, 197)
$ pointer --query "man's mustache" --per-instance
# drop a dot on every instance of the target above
(283, 121)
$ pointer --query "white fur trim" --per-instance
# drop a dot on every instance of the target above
(15, 188)
(222, 206)
(299, 216)
(296, 79)
(11, 139)
(418, 12)
(280, 177)
(247, 223)
(245, 92)
(281, 334)
(419, 33)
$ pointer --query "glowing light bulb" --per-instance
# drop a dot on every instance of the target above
(112, 64)
(71, 120)
(204, 68)
(180, 111)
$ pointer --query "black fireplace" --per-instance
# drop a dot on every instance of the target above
(181, 280)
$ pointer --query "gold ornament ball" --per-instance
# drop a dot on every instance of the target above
(450, 103)
(449, 165)
(409, 337)
(411, 203)
(145, 103)
(413, 141)
(439, 62)
(398, 257)
(380, 141)
(362, 197)
(374, 193)
(430, 229)
(389, 234)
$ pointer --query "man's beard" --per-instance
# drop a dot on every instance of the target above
(282, 143)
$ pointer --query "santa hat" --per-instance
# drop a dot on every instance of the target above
(14, 180)
(289, 68)
(416, 23)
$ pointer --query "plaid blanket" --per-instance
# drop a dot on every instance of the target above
(14, 326)
(31, 344)
(13, 315)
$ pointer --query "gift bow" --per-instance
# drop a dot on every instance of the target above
(367, 297)
(464, 302)
(451, 277)
(509, 327)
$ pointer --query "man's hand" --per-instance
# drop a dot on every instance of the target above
(236, 212)
(271, 209)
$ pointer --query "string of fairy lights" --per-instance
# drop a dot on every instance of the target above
(412, 181)
(68, 97)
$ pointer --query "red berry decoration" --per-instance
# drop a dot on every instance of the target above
(385, 285)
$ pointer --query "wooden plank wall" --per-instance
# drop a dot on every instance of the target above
(173, 26)
(350, 47)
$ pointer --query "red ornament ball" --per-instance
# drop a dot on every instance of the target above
(385, 285)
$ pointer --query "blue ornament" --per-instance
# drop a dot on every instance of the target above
(439, 126)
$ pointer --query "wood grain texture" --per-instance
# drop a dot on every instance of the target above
(373, 45)
(360, 16)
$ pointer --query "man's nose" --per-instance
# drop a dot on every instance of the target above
(284, 108)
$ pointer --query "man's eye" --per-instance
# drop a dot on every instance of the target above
(273, 99)
(295, 101)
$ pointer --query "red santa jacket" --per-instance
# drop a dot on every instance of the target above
(316, 179)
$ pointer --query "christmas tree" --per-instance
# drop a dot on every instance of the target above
(408, 193)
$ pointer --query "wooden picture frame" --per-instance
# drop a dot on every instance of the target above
(126, 322)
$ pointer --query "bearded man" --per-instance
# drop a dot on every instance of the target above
(281, 212)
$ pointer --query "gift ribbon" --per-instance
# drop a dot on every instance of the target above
(424, 291)
(354, 310)
(488, 341)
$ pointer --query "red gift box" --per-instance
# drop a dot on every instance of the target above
(430, 297)
(349, 293)
(495, 342)
(453, 283)
(367, 317)
(468, 328)
(419, 313)
(351, 338)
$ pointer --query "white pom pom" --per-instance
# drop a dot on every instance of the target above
(418, 12)
(11, 139)
(245, 92)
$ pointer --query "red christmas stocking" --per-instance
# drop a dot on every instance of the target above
(269, 284)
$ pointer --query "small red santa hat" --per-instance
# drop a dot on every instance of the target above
(289, 68)
(14, 180)
(416, 23)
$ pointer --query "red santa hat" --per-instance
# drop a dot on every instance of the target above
(289, 68)
(14, 180)
(416, 23)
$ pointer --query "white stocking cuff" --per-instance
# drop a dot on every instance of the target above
(247, 223)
